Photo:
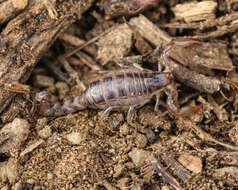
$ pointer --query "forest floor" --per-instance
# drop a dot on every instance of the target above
(43, 49)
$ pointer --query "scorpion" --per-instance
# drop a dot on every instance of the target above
(127, 88)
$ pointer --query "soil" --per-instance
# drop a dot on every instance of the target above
(82, 151)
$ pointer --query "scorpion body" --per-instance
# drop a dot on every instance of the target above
(115, 90)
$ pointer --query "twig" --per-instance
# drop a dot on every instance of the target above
(161, 170)
(205, 136)
(72, 52)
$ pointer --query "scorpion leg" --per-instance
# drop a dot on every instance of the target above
(130, 113)
(176, 43)
(172, 102)
(108, 110)
(157, 102)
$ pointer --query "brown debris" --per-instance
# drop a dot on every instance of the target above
(17, 87)
(31, 47)
(230, 174)
(31, 147)
(43, 81)
(9, 171)
(223, 25)
(195, 11)
(149, 31)
(233, 133)
(76, 41)
(3, 43)
(85, 59)
(176, 167)
(116, 8)
(161, 171)
(220, 21)
(191, 78)
(10, 8)
(79, 151)
(12, 135)
(205, 136)
(116, 44)
(197, 81)
(138, 156)
(190, 162)
(202, 58)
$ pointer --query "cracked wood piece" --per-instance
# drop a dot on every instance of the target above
(29, 37)
(195, 11)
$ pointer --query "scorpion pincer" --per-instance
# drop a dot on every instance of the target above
(128, 88)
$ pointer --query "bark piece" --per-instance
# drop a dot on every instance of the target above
(193, 163)
(116, 44)
(116, 8)
(195, 11)
(10, 8)
(202, 58)
(149, 31)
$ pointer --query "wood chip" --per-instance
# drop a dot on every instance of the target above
(195, 11)
(192, 163)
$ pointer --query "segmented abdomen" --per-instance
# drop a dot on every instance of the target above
(121, 89)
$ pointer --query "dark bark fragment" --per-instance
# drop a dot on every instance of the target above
(29, 35)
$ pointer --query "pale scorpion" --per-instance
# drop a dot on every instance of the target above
(122, 89)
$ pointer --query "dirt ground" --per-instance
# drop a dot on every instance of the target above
(80, 150)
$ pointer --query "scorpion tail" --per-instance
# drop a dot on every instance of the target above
(47, 106)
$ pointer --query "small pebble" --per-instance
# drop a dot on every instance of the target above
(41, 122)
(124, 129)
(18, 186)
(129, 165)
(138, 156)
(140, 140)
(116, 120)
(74, 138)
(62, 88)
(45, 132)
(14, 134)
(50, 176)
(118, 170)
(150, 135)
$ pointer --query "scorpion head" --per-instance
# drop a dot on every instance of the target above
(161, 80)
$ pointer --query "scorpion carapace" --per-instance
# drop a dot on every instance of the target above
(122, 89)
